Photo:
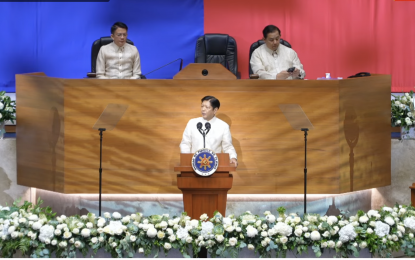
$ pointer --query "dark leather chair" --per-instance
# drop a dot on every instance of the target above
(254, 46)
(218, 48)
(96, 46)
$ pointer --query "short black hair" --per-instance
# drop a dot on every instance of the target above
(214, 102)
(117, 25)
(270, 29)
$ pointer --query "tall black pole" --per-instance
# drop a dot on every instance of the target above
(100, 167)
(305, 168)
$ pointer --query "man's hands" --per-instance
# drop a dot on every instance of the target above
(285, 74)
(234, 161)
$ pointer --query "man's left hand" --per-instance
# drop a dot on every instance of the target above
(234, 161)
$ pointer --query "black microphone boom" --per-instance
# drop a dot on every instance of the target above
(202, 132)
(181, 65)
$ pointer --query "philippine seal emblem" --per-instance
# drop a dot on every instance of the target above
(205, 162)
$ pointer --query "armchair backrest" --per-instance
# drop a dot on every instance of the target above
(217, 48)
(256, 44)
(96, 46)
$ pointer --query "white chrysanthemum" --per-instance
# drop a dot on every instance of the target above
(332, 220)
(363, 219)
(160, 234)
(172, 238)
(78, 244)
(63, 244)
(251, 231)
(204, 217)
(233, 241)
(46, 232)
(331, 244)
(283, 229)
(227, 221)
(151, 232)
(107, 215)
(369, 231)
(283, 239)
(33, 218)
(270, 218)
(251, 247)
(37, 225)
(101, 239)
(298, 232)
(339, 244)
(409, 222)
(219, 238)
(326, 234)
(182, 233)
(402, 211)
(167, 246)
(381, 229)
(411, 235)
(229, 228)
(347, 233)
(307, 234)
(75, 231)
(189, 240)
(72, 240)
(80, 225)
(94, 240)
(67, 235)
(126, 219)
(390, 221)
(86, 232)
(163, 225)
(238, 229)
(141, 250)
(387, 209)
(114, 244)
(372, 213)
(116, 215)
(315, 235)
(372, 223)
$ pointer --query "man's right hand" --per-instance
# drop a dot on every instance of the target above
(283, 75)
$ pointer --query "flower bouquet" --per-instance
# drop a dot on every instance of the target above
(402, 110)
(7, 108)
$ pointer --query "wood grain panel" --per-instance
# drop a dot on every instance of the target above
(140, 153)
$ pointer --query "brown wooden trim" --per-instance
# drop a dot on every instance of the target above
(10, 128)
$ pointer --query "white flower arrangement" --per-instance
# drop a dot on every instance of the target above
(7, 108)
(402, 108)
(122, 236)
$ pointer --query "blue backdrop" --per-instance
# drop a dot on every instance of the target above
(56, 38)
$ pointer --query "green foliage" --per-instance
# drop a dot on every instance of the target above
(7, 108)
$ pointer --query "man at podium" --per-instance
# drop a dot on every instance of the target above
(119, 59)
(273, 60)
(219, 137)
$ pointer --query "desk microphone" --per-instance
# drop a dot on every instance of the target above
(202, 131)
(181, 65)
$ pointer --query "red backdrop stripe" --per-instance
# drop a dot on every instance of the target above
(339, 37)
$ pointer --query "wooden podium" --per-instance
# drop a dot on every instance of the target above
(204, 194)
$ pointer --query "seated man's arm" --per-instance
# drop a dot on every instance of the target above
(186, 143)
(299, 72)
(100, 66)
(136, 66)
(257, 65)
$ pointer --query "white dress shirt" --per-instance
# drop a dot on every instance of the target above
(218, 139)
(115, 62)
(268, 63)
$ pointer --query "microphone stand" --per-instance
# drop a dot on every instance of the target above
(100, 168)
(305, 168)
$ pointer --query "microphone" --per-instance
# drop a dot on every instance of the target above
(199, 127)
(181, 65)
(202, 132)
(208, 126)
